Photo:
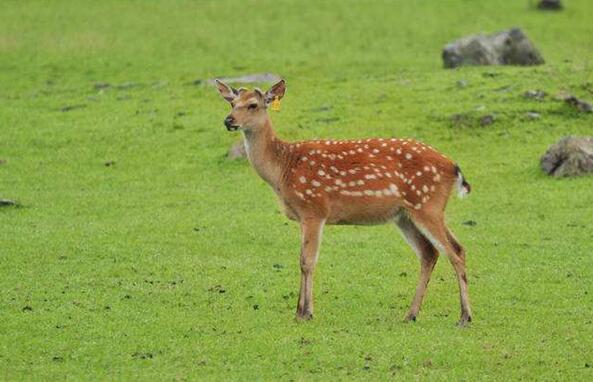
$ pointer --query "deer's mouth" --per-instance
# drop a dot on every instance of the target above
(232, 127)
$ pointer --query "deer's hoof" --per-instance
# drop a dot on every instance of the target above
(410, 318)
(464, 321)
(304, 316)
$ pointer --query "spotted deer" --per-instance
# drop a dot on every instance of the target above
(356, 181)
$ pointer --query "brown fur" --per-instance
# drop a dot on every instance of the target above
(359, 181)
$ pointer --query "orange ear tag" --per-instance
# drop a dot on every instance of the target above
(276, 104)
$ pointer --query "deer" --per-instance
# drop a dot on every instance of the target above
(353, 182)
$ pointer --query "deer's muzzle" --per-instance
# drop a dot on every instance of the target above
(229, 122)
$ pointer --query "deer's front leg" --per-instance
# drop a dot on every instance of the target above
(311, 230)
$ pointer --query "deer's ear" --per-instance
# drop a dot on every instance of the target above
(226, 91)
(276, 91)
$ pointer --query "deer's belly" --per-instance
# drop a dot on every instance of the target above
(369, 214)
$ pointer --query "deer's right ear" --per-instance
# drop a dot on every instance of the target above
(227, 92)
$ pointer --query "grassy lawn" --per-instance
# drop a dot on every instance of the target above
(140, 252)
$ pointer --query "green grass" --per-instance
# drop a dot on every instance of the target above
(117, 272)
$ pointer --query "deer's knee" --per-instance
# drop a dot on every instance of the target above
(307, 264)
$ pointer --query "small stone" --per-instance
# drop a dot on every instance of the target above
(102, 85)
(550, 5)
(535, 94)
(8, 202)
(217, 288)
(532, 115)
(72, 107)
(196, 82)
(486, 120)
(460, 120)
(109, 163)
(578, 104)
(127, 85)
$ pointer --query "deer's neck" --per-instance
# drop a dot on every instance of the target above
(265, 152)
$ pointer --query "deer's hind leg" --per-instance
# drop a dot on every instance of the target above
(428, 256)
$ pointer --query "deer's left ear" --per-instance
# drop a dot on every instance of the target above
(276, 91)
(227, 92)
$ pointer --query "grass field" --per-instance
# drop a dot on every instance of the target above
(174, 263)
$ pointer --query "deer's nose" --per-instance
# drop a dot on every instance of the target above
(229, 122)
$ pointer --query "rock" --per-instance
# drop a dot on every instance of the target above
(237, 151)
(247, 79)
(72, 107)
(461, 84)
(8, 202)
(461, 120)
(554, 5)
(535, 94)
(571, 156)
(578, 104)
(532, 115)
(486, 120)
(128, 85)
(470, 119)
(327, 120)
(510, 47)
(197, 82)
(102, 85)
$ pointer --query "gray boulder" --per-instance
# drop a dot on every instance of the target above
(510, 47)
(571, 156)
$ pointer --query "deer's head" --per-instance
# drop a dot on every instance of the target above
(249, 106)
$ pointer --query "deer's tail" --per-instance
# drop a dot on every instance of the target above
(463, 187)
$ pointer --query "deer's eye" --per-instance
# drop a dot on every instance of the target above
(252, 106)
